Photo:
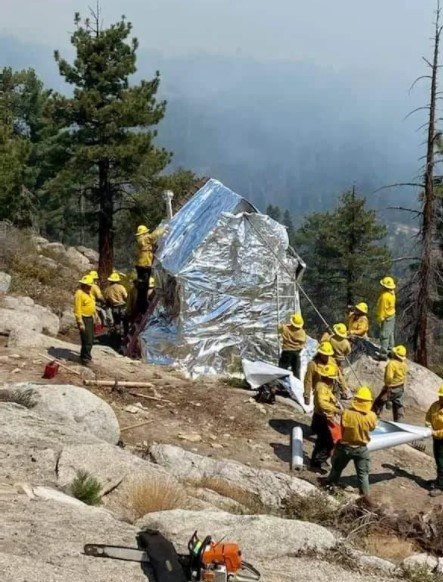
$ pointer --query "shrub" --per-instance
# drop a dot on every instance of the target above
(316, 508)
(86, 488)
(157, 494)
(421, 574)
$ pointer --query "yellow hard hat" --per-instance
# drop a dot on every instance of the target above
(93, 274)
(326, 349)
(87, 280)
(328, 371)
(151, 281)
(364, 393)
(440, 390)
(362, 307)
(297, 320)
(400, 352)
(388, 283)
(341, 330)
(114, 277)
(142, 229)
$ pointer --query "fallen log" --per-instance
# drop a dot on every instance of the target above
(158, 399)
(130, 427)
(114, 383)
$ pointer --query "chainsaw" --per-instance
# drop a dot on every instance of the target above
(206, 561)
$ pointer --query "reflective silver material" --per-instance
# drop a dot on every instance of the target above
(226, 276)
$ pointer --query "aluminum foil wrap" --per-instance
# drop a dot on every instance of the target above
(225, 277)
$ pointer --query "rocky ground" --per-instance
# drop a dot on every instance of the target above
(176, 454)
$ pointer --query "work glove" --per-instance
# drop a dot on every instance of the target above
(307, 400)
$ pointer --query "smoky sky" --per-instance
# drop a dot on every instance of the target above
(380, 37)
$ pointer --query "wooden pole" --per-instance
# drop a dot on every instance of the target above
(114, 383)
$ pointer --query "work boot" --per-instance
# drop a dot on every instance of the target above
(436, 492)
(321, 468)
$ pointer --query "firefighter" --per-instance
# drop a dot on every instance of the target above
(394, 384)
(116, 296)
(386, 316)
(326, 409)
(342, 350)
(323, 356)
(84, 312)
(434, 419)
(293, 342)
(356, 423)
(358, 322)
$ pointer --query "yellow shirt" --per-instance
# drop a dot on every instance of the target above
(358, 325)
(146, 243)
(385, 306)
(434, 417)
(324, 400)
(84, 305)
(96, 293)
(312, 377)
(116, 294)
(342, 346)
(293, 338)
(357, 423)
(395, 373)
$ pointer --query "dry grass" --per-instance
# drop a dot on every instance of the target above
(421, 574)
(245, 502)
(156, 494)
(389, 547)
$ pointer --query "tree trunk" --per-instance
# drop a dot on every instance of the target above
(425, 273)
(105, 224)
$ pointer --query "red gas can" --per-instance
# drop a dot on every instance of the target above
(51, 370)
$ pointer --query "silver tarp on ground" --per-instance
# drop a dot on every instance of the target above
(225, 276)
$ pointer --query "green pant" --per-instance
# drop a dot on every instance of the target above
(438, 456)
(387, 334)
(342, 456)
(87, 340)
(390, 397)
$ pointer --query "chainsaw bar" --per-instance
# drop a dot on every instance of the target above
(116, 553)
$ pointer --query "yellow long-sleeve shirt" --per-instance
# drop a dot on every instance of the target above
(342, 346)
(434, 417)
(84, 305)
(358, 325)
(293, 338)
(385, 306)
(96, 293)
(146, 243)
(324, 400)
(115, 294)
(312, 376)
(357, 423)
(395, 373)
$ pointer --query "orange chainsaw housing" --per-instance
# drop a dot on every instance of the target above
(228, 555)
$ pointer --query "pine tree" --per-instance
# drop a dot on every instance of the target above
(287, 221)
(108, 127)
(345, 257)
(274, 212)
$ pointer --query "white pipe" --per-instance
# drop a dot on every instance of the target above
(168, 195)
(296, 449)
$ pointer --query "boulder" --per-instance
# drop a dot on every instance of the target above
(32, 443)
(271, 487)
(110, 465)
(51, 494)
(420, 561)
(5, 282)
(67, 320)
(59, 533)
(90, 254)
(39, 242)
(72, 405)
(77, 260)
(47, 262)
(421, 385)
(259, 536)
(50, 323)
(15, 320)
